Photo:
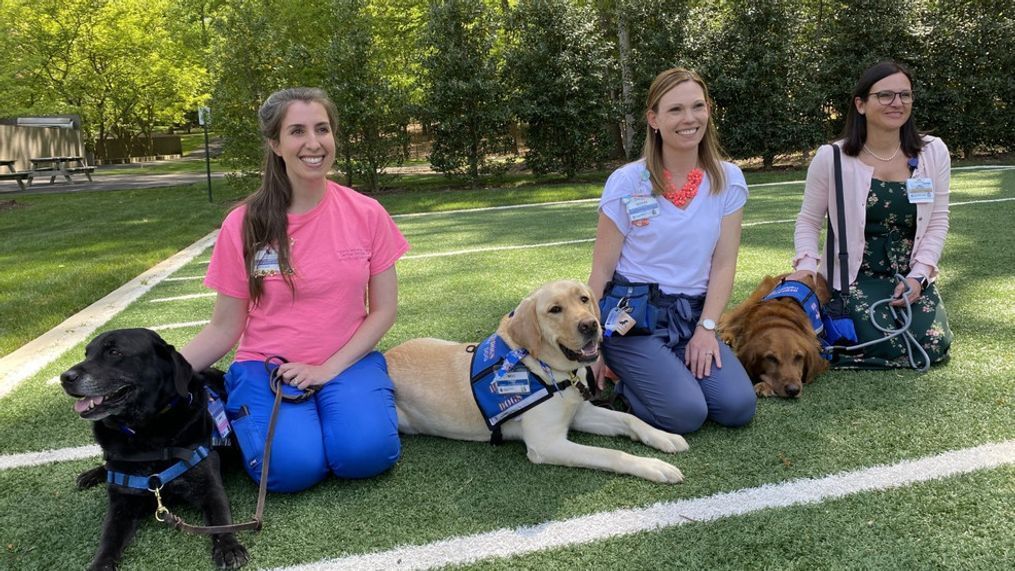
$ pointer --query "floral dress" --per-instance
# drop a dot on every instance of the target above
(888, 237)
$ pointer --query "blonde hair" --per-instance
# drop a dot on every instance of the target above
(710, 154)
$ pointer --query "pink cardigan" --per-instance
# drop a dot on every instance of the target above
(819, 198)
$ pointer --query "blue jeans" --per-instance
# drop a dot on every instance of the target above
(662, 391)
(349, 428)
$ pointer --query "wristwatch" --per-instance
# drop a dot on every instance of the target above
(708, 324)
(923, 281)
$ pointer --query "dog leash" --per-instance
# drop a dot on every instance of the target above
(905, 320)
(176, 522)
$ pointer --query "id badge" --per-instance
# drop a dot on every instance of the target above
(640, 208)
(920, 190)
(513, 383)
(218, 415)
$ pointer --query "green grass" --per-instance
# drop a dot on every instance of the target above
(845, 421)
(189, 165)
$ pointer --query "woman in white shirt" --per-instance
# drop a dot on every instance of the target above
(671, 223)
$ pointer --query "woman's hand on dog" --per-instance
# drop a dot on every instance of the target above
(915, 289)
(303, 376)
(603, 373)
(701, 350)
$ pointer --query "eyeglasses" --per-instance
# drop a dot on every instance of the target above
(888, 97)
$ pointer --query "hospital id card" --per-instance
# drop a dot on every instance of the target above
(640, 208)
(920, 190)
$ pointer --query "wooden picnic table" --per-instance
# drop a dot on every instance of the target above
(11, 174)
(59, 166)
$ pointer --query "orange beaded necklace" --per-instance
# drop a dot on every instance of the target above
(681, 198)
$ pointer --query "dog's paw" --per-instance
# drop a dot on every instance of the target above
(763, 390)
(102, 565)
(669, 443)
(91, 478)
(229, 554)
(658, 471)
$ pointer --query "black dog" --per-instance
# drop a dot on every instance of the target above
(150, 414)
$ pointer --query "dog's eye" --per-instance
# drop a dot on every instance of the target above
(772, 359)
(556, 309)
(113, 352)
(798, 358)
(585, 299)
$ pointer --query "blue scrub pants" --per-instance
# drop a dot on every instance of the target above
(662, 391)
(349, 427)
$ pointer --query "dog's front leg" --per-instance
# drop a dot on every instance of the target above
(606, 422)
(226, 550)
(91, 478)
(122, 518)
(545, 434)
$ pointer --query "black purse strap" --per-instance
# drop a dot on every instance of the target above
(840, 204)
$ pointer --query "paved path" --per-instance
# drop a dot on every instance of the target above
(101, 181)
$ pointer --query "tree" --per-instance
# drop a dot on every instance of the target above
(464, 102)
(755, 66)
(559, 63)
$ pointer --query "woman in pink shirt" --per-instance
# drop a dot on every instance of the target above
(895, 206)
(305, 270)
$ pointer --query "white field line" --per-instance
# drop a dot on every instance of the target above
(10, 461)
(33, 356)
(182, 297)
(607, 525)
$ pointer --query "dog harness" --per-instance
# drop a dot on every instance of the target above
(156, 481)
(804, 296)
(501, 392)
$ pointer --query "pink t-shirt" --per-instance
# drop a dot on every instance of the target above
(334, 250)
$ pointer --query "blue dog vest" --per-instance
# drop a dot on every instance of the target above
(501, 392)
(805, 297)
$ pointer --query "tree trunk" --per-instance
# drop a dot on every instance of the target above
(624, 43)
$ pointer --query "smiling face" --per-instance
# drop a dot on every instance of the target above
(305, 142)
(883, 117)
(681, 116)
(558, 324)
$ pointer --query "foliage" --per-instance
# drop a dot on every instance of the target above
(372, 105)
(465, 102)
(756, 69)
(117, 64)
(559, 64)
(966, 98)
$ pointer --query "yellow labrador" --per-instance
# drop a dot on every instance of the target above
(558, 325)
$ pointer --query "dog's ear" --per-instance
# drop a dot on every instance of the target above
(183, 373)
(523, 327)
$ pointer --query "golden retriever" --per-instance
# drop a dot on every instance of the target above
(558, 324)
(774, 340)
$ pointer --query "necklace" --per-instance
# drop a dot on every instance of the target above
(882, 159)
(680, 198)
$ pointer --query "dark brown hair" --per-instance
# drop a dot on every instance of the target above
(265, 224)
(855, 131)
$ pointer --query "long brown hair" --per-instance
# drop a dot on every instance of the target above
(265, 224)
(710, 154)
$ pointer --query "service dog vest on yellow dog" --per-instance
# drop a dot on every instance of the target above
(502, 386)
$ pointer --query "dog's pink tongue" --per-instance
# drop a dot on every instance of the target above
(590, 348)
(81, 405)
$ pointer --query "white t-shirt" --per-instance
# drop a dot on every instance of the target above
(674, 248)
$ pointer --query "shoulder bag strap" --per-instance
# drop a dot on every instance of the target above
(840, 204)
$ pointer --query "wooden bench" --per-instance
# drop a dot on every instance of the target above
(86, 170)
(20, 177)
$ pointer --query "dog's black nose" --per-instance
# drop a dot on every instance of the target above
(69, 376)
(588, 327)
(792, 390)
